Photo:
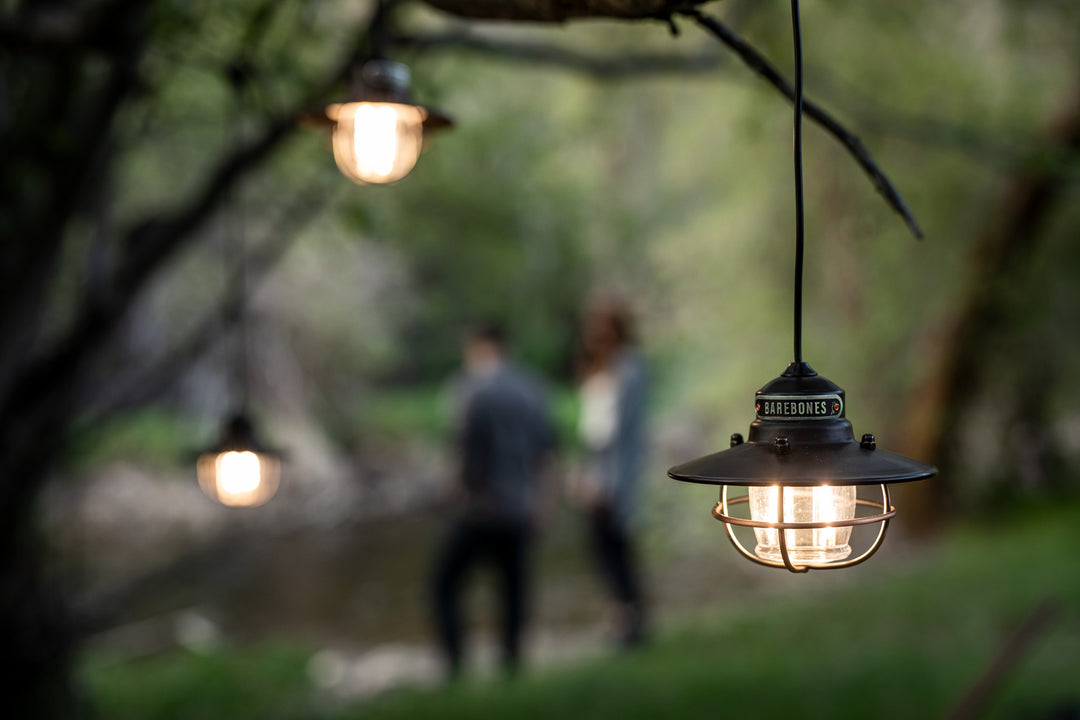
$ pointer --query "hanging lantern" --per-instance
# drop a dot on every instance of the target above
(377, 136)
(802, 469)
(238, 471)
(800, 463)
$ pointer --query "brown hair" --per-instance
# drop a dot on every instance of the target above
(607, 326)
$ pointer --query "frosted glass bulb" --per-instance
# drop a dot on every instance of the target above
(376, 142)
(239, 478)
(237, 472)
(821, 503)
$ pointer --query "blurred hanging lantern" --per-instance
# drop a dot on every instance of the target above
(238, 470)
(378, 134)
(801, 466)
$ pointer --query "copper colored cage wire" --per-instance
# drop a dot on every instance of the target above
(722, 513)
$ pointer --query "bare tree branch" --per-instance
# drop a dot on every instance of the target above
(1017, 647)
(761, 65)
(557, 11)
(32, 263)
(613, 68)
(143, 384)
(148, 246)
(606, 68)
(61, 29)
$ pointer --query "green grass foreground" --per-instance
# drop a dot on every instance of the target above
(907, 643)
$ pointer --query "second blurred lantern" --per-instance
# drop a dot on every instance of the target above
(378, 134)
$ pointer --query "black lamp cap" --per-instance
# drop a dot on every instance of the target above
(801, 437)
(238, 434)
(381, 80)
(798, 383)
(798, 369)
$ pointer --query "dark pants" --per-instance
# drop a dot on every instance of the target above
(503, 546)
(614, 555)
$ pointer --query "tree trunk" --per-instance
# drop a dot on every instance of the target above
(1009, 239)
(39, 636)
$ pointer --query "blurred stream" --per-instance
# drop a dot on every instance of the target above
(365, 584)
(358, 588)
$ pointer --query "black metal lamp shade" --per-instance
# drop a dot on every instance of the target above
(238, 470)
(802, 447)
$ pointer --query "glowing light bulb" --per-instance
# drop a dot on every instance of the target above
(239, 478)
(376, 142)
(809, 504)
(237, 472)
(375, 139)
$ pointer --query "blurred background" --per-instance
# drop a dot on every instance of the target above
(141, 140)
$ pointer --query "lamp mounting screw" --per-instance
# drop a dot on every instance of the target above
(736, 439)
(782, 445)
(868, 442)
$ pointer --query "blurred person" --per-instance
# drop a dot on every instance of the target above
(611, 427)
(504, 436)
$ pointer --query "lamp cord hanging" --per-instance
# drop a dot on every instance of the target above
(240, 350)
(797, 35)
(236, 268)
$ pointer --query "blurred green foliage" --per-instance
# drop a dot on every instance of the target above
(151, 437)
(396, 414)
(424, 413)
(673, 190)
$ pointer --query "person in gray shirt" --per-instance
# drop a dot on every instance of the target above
(611, 427)
(504, 436)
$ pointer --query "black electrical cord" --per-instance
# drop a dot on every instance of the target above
(797, 34)
(241, 380)
(236, 266)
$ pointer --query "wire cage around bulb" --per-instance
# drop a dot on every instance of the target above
(830, 544)
(803, 470)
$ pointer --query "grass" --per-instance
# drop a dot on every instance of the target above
(258, 683)
(905, 644)
(151, 437)
(405, 412)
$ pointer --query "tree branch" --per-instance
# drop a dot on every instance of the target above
(26, 281)
(606, 68)
(64, 31)
(149, 244)
(1017, 648)
(140, 385)
(761, 65)
(557, 11)
(614, 68)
